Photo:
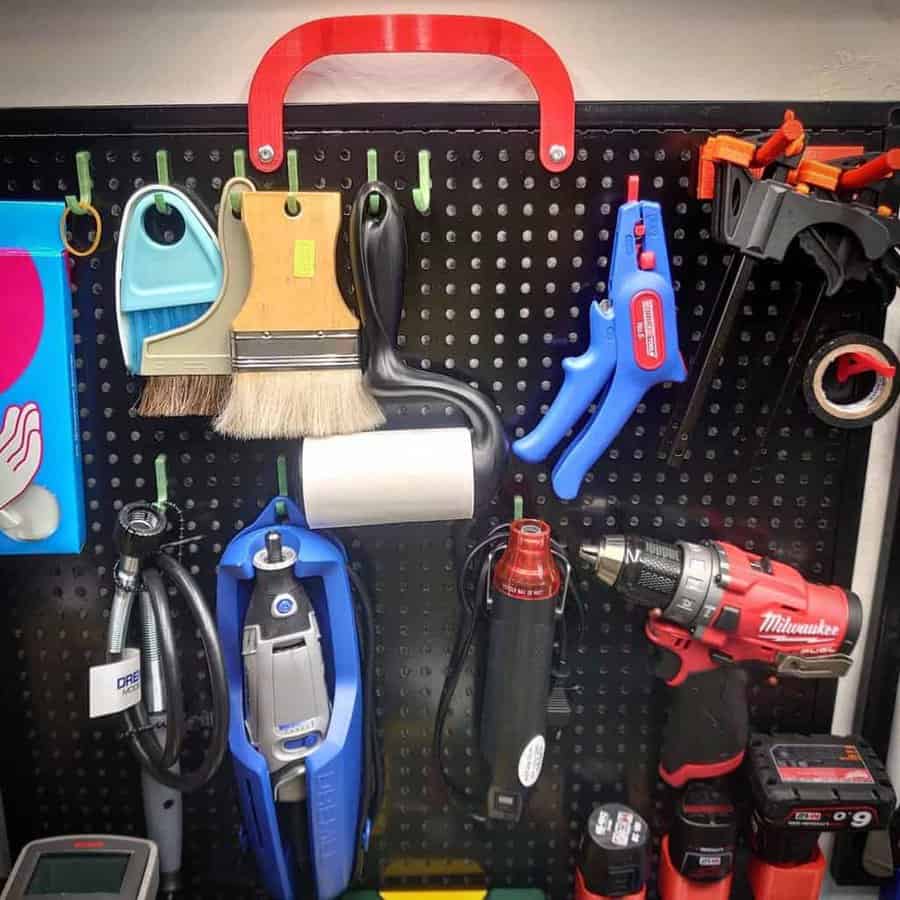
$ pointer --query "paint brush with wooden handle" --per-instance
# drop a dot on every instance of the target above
(295, 344)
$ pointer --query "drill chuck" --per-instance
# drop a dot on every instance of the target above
(643, 570)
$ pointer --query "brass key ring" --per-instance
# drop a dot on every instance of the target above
(89, 208)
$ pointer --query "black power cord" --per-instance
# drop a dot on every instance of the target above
(473, 609)
(373, 764)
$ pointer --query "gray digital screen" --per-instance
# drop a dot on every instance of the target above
(78, 873)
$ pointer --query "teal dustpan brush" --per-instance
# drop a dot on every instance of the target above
(168, 268)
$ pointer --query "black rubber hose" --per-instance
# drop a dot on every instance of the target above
(171, 671)
(144, 744)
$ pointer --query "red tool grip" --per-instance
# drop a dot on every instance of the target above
(788, 132)
(582, 893)
(769, 881)
(294, 51)
(874, 170)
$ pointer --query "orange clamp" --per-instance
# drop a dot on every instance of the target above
(816, 173)
(876, 169)
(789, 136)
(721, 148)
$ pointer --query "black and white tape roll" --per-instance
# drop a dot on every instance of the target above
(831, 382)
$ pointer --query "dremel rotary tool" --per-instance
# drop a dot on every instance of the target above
(717, 608)
(285, 691)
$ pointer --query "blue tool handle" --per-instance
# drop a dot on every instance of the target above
(584, 377)
(891, 890)
(591, 442)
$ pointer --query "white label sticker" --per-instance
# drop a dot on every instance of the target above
(116, 686)
(531, 761)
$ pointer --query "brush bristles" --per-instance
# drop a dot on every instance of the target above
(305, 403)
(184, 395)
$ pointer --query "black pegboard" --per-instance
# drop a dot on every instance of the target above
(501, 273)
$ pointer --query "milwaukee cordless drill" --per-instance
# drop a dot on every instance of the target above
(716, 608)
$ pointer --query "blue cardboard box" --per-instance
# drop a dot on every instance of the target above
(41, 491)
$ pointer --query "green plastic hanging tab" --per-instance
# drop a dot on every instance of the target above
(422, 194)
(79, 204)
(518, 508)
(281, 475)
(162, 177)
(372, 175)
(293, 167)
(162, 481)
(240, 171)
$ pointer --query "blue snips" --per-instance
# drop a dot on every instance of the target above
(633, 346)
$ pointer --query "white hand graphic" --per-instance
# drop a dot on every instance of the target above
(21, 450)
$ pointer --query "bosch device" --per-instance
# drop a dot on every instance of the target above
(614, 860)
(101, 866)
(802, 786)
(286, 695)
(633, 346)
(696, 857)
(716, 610)
(521, 583)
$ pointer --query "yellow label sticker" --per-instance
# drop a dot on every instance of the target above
(304, 259)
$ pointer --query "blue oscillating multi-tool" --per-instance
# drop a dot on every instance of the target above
(633, 346)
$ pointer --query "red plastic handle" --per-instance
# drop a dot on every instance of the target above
(292, 52)
(874, 170)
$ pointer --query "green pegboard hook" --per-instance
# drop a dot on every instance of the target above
(162, 481)
(293, 168)
(240, 171)
(422, 194)
(162, 177)
(518, 508)
(79, 204)
(281, 475)
(372, 175)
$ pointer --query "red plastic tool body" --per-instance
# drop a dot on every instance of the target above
(769, 881)
(780, 613)
(582, 893)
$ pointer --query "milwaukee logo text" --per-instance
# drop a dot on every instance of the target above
(777, 624)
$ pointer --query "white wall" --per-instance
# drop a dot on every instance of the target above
(90, 52)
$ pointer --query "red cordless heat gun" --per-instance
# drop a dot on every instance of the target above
(716, 610)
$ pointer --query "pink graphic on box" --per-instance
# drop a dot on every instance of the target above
(21, 314)
(21, 450)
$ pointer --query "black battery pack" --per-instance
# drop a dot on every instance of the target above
(804, 785)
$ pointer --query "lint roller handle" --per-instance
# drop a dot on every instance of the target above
(378, 257)
(583, 378)
(378, 261)
(338, 35)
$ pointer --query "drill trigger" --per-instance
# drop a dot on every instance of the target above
(668, 664)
